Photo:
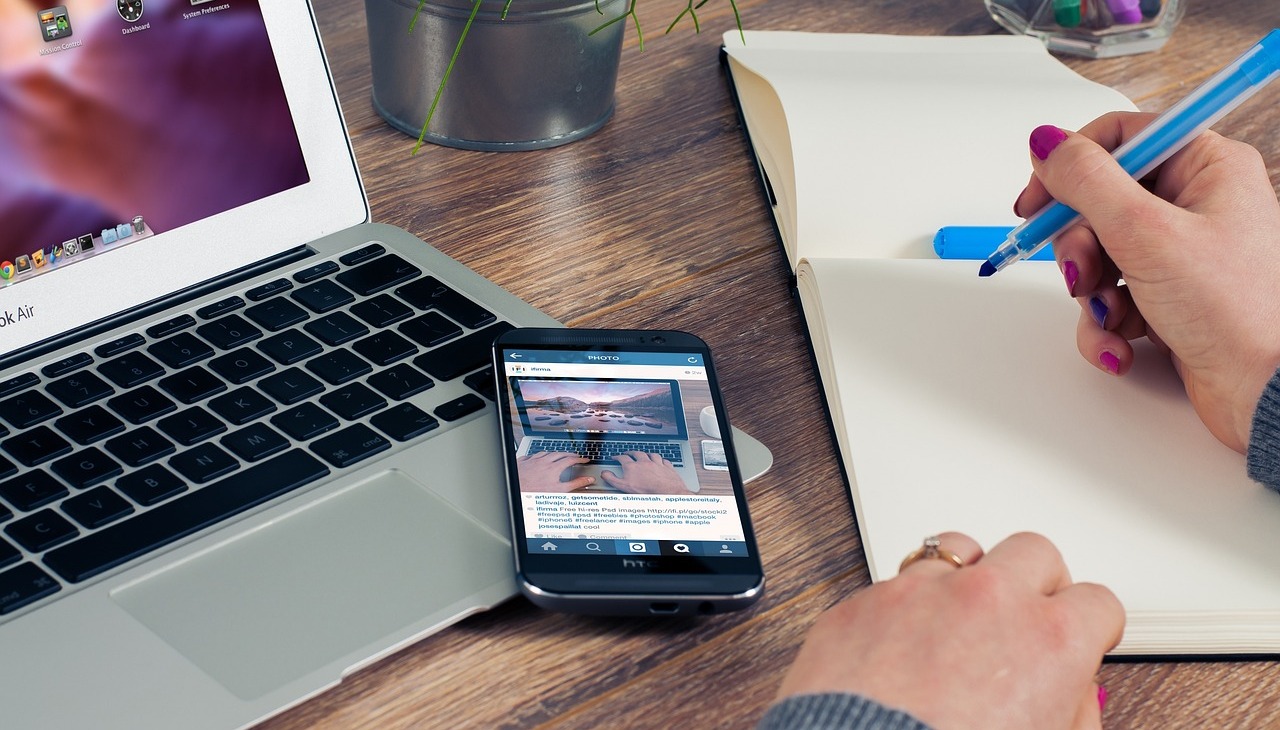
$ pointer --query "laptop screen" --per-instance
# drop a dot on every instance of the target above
(578, 407)
(129, 126)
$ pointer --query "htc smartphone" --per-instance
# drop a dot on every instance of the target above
(613, 507)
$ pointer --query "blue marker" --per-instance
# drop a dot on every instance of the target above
(975, 242)
(1165, 135)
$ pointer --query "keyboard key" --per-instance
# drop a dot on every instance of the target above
(319, 271)
(304, 422)
(384, 348)
(150, 485)
(17, 383)
(481, 382)
(140, 446)
(217, 309)
(429, 293)
(115, 347)
(362, 254)
(40, 531)
(168, 327)
(290, 347)
(28, 408)
(400, 382)
(275, 314)
(459, 407)
(382, 310)
(337, 328)
(185, 515)
(404, 421)
(322, 296)
(229, 332)
(36, 446)
(86, 468)
(8, 554)
(90, 424)
(241, 366)
(96, 507)
(66, 365)
(191, 426)
(350, 445)
(181, 350)
(79, 389)
(193, 384)
(241, 406)
(430, 329)
(255, 441)
(23, 585)
(381, 273)
(463, 355)
(204, 463)
(353, 401)
(338, 367)
(7, 469)
(271, 288)
(142, 404)
(290, 386)
(131, 369)
(31, 490)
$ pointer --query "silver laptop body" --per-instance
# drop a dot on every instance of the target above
(315, 532)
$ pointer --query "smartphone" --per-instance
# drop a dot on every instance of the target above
(612, 511)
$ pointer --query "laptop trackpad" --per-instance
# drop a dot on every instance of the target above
(309, 589)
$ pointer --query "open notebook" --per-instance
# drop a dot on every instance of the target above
(961, 403)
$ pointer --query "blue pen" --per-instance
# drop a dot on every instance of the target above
(1165, 135)
(975, 242)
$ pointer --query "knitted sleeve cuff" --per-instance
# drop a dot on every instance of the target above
(835, 711)
(1263, 456)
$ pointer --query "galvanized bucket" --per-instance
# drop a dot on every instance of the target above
(536, 79)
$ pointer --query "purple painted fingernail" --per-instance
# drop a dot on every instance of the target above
(1071, 274)
(1099, 310)
(1044, 139)
(1110, 362)
(1102, 697)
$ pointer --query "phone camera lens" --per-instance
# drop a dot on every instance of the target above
(658, 339)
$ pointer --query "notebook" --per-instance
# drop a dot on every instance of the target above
(961, 403)
(247, 438)
(601, 420)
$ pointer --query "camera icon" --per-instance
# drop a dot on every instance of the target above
(637, 547)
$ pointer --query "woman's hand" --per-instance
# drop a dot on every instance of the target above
(1008, 641)
(1189, 257)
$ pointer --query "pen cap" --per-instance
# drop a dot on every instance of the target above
(1091, 28)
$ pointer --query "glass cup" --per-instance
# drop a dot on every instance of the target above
(1091, 28)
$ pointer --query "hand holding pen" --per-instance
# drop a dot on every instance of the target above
(1193, 263)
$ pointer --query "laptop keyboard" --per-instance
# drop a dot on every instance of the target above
(133, 444)
(607, 452)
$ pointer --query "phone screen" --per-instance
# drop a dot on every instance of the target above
(609, 453)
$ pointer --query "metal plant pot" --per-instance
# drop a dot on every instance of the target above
(535, 79)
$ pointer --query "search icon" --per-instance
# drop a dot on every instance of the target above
(680, 547)
(593, 546)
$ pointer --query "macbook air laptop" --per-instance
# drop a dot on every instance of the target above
(601, 420)
(246, 437)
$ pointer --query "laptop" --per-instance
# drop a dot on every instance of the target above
(601, 420)
(246, 437)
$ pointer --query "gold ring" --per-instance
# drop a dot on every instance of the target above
(932, 548)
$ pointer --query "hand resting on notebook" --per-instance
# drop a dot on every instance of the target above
(1189, 257)
(1007, 641)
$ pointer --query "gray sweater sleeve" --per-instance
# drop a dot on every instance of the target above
(1263, 456)
(835, 711)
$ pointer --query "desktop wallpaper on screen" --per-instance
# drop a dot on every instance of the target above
(120, 119)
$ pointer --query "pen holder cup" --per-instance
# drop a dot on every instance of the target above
(1091, 28)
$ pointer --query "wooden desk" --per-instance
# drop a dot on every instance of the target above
(657, 221)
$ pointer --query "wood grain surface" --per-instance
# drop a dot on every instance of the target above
(657, 220)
